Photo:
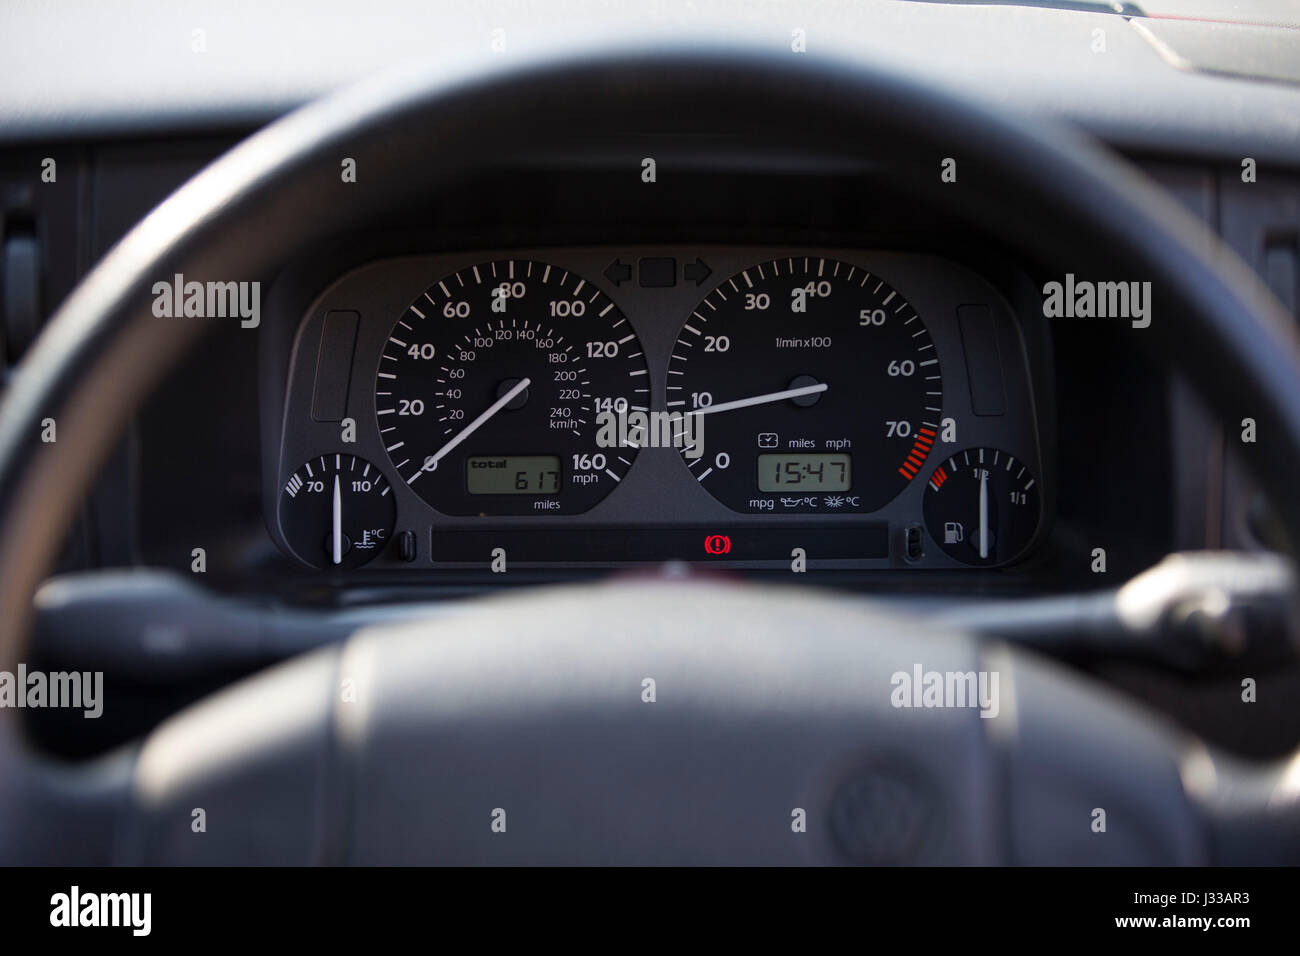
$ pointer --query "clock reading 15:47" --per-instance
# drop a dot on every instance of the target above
(803, 471)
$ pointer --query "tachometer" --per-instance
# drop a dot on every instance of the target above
(489, 386)
(817, 386)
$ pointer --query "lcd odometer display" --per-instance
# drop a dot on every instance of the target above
(512, 475)
(804, 473)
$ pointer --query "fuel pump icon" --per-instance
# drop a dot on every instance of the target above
(953, 532)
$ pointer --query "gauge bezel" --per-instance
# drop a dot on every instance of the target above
(938, 480)
(493, 341)
(830, 341)
(329, 464)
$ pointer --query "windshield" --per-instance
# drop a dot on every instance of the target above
(1259, 12)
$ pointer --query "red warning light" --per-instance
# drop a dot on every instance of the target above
(717, 544)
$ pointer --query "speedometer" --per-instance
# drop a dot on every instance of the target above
(816, 385)
(489, 386)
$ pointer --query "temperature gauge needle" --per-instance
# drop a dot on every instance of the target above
(338, 522)
(761, 399)
(984, 513)
(431, 462)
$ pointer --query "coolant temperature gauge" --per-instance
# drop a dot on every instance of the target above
(337, 511)
(981, 506)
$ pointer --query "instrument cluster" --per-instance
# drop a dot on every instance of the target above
(740, 406)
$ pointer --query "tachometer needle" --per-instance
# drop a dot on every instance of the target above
(338, 522)
(984, 513)
(431, 462)
(761, 399)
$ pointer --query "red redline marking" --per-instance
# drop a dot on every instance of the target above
(920, 440)
(914, 461)
(926, 431)
(905, 474)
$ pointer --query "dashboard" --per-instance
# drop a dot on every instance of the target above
(845, 495)
(739, 406)
(799, 404)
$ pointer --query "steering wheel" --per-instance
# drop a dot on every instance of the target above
(716, 723)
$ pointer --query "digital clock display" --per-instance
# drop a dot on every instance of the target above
(805, 472)
(512, 474)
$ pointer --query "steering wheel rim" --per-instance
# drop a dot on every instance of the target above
(245, 211)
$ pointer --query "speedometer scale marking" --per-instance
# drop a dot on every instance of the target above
(488, 389)
(818, 386)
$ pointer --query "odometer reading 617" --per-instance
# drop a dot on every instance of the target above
(817, 384)
(489, 385)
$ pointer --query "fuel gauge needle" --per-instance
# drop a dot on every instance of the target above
(338, 522)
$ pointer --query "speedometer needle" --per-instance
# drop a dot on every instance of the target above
(431, 462)
(761, 399)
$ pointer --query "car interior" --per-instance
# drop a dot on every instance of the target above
(684, 434)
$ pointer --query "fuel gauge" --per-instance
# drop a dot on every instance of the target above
(337, 511)
(981, 506)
